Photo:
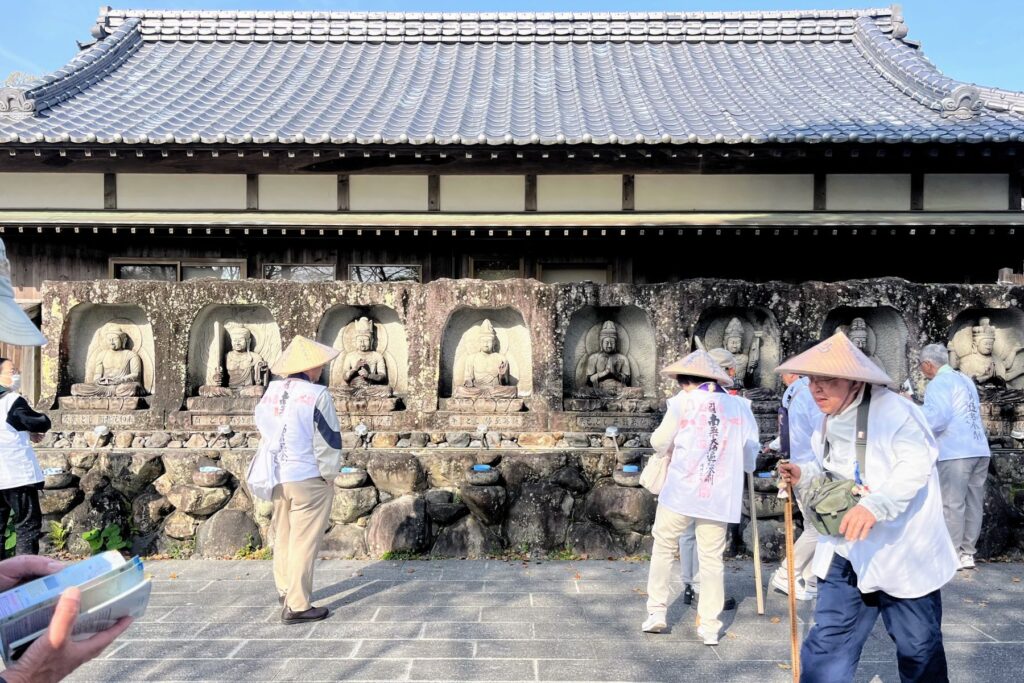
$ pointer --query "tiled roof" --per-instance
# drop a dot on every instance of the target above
(461, 79)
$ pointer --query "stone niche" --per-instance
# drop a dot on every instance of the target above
(751, 335)
(220, 378)
(879, 331)
(372, 373)
(987, 344)
(108, 353)
(486, 361)
(608, 361)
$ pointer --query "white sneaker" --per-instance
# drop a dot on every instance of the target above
(966, 561)
(805, 592)
(710, 638)
(655, 623)
(780, 582)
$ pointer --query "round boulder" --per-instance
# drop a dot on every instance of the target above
(486, 503)
(630, 479)
(487, 477)
(622, 508)
(400, 525)
(351, 480)
(198, 500)
(466, 538)
(351, 504)
(209, 476)
(396, 473)
(344, 541)
(539, 517)
(226, 533)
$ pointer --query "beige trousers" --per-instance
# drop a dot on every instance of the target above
(301, 511)
(803, 555)
(668, 528)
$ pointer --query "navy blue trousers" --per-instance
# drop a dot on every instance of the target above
(844, 618)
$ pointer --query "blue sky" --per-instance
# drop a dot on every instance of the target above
(971, 41)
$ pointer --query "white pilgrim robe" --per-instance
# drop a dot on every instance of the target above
(908, 553)
(714, 440)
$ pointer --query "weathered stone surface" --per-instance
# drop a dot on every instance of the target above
(130, 473)
(537, 440)
(482, 477)
(466, 538)
(398, 525)
(226, 533)
(772, 536)
(59, 481)
(351, 504)
(570, 479)
(94, 480)
(148, 510)
(493, 439)
(628, 457)
(396, 473)
(597, 465)
(59, 501)
(240, 501)
(83, 459)
(98, 511)
(486, 503)
(384, 440)
(1008, 468)
(629, 479)
(180, 466)
(1000, 518)
(576, 439)
(210, 478)
(196, 441)
(419, 439)
(446, 470)
(163, 484)
(237, 440)
(623, 509)
(196, 500)
(180, 525)
(442, 508)
(52, 460)
(344, 541)
(518, 467)
(458, 439)
(351, 480)
(594, 541)
(767, 505)
(158, 440)
(539, 516)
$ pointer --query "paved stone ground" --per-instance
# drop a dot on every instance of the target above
(505, 621)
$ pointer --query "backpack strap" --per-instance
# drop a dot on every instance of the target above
(861, 443)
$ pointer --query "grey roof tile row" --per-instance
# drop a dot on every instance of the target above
(315, 77)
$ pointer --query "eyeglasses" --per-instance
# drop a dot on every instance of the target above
(825, 382)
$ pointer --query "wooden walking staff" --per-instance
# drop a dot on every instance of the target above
(787, 493)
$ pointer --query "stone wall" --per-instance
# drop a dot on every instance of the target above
(167, 465)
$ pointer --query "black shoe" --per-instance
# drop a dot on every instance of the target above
(311, 614)
(729, 604)
(280, 600)
(688, 594)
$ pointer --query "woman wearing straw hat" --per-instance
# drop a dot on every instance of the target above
(300, 438)
(891, 552)
(712, 440)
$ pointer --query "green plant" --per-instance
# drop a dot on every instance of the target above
(181, 551)
(563, 555)
(108, 539)
(401, 555)
(10, 537)
(58, 535)
(250, 551)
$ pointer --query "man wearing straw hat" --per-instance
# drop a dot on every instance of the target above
(712, 439)
(890, 553)
(299, 435)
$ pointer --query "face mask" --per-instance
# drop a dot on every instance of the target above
(15, 382)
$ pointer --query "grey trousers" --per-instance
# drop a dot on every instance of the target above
(963, 495)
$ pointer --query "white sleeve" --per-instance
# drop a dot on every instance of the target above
(914, 453)
(664, 435)
(751, 440)
(938, 404)
(804, 418)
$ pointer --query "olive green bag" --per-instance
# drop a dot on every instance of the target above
(829, 498)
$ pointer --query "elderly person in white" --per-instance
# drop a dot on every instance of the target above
(298, 460)
(893, 553)
(713, 440)
(952, 409)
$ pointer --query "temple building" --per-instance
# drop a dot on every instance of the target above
(506, 223)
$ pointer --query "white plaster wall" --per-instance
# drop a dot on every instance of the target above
(868, 192)
(966, 191)
(196, 191)
(739, 192)
(51, 190)
(483, 193)
(579, 193)
(298, 192)
(387, 192)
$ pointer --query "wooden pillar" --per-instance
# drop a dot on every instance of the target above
(917, 191)
(343, 193)
(109, 190)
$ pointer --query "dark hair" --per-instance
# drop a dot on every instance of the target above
(692, 379)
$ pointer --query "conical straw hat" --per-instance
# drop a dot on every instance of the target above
(837, 356)
(301, 355)
(699, 364)
(15, 327)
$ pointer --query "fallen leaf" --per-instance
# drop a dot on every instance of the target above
(172, 576)
(577, 576)
(410, 571)
(1015, 579)
(784, 666)
(775, 620)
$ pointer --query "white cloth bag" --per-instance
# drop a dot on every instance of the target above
(655, 472)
